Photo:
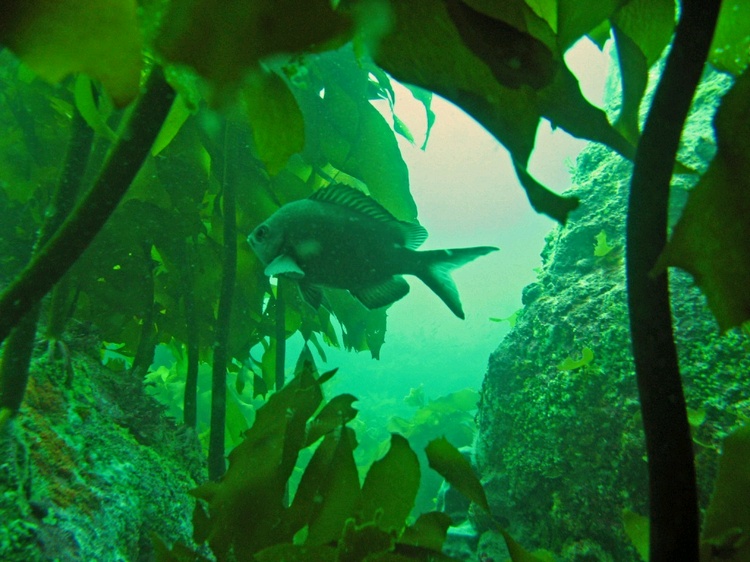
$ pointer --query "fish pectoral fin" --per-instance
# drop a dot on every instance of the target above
(383, 294)
(284, 266)
(311, 294)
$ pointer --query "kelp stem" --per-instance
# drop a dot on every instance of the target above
(280, 333)
(216, 457)
(89, 216)
(672, 486)
(193, 335)
(14, 371)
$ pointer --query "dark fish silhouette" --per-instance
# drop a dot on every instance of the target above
(339, 237)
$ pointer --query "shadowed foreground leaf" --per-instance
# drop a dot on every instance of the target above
(712, 238)
(57, 38)
(391, 486)
(726, 530)
(451, 465)
(222, 40)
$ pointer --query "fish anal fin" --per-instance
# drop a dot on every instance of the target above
(382, 294)
(284, 266)
(311, 294)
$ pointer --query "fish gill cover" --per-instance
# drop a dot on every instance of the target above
(152, 248)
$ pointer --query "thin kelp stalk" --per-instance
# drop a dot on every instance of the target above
(216, 460)
(76, 161)
(14, 371)
(672, 485)
(190, 400)
(144, 355)
(280, 334)
(89, 216)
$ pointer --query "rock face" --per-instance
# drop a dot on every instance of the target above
(560, 447)
(91, 466)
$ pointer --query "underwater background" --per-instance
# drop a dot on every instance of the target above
(162, 398)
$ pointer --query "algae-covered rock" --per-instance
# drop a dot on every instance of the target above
(91, 466)
(561, 451)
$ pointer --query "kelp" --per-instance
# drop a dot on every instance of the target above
(245, 514)
(673, 501)
(503, 62)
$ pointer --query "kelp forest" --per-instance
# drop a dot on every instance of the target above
(144, 140)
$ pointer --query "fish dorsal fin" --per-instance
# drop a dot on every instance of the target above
(340, 194)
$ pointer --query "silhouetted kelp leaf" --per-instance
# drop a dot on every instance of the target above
(245, 506)
(58, 38)
(276, 120)
(363, 542)
(424, 28)
(339, 492)
(515, 56)
(223, 40)
(712, 238)
(428, 531)
(451, 465)
(726, 529)
(390, 487)
(642, 29)
(362, 329)
(425, 98)
(336, 413)
(351, 134)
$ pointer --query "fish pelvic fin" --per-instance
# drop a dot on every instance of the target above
(435, 272)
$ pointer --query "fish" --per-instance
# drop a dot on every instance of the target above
(340, 237)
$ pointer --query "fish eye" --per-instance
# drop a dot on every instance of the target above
(261, 232)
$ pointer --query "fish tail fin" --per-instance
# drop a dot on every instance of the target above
(435, 272)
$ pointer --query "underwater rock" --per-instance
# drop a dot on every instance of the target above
(88, 472)
(562, 452)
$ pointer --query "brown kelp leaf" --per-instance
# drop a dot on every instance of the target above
(278, 128)
(712, 238)
(428, 531)
(360, 542)
(726, 529)
(424, 48)
(542, 199)
(339, 493)
(246, 504)
(451, 465)
(222, 40)
(565, 106)
(58, 37)
(336, 413)
(390, 487)
(352, 134)
(576, 18)
(515, 57)
(424, 28)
